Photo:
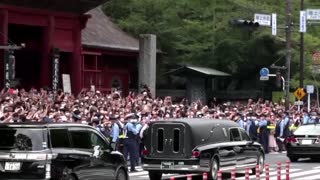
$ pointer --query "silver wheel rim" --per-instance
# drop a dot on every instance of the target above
(261, 163)
(121, 176)
(214, 168)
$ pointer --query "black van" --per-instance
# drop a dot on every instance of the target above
(58, 152)
(199, 145)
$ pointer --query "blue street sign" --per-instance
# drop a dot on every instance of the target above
(264, 72)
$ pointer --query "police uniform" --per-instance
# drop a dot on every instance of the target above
(114, 134)
(131, 133)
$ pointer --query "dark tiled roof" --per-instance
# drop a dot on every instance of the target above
(102, 33)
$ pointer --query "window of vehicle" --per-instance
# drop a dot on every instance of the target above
(160, 135)
(244, 135)
(313, 130)
(22, 139)
(235, 135)
(87, 139)
(176, 138)
(59, 138)
(81, 139)
(96, 140)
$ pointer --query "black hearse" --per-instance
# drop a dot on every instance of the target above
(58, 152)
(199, 145)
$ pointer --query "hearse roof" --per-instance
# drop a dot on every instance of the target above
(196, 122)
(201, 128)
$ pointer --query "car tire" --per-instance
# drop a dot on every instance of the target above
(214, 167)
(260, 162)
(69, 177)
(121, 175)
(293, 158)
(155, 175)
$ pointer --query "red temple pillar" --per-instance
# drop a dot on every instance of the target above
(45, 76)
(76, 60)
(3, 41)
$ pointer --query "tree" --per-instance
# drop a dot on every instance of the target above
(198, 32)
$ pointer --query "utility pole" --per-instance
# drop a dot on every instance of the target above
(288, 47)
(301, 50)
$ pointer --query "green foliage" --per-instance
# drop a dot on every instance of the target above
(199, 32)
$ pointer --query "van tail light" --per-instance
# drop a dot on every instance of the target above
(291, 140)
(195, 154)
(144, 152)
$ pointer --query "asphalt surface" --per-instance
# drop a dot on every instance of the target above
(304, 169)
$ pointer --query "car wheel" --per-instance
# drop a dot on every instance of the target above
(293, 158)
(214, 169)
(260, 162)
(69, 177)
(155, 175)
(121, 175)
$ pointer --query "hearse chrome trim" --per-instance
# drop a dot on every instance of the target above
(177, 167)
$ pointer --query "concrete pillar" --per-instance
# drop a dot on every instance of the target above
(45, 72)
(147, 61)
(3, 41)
(76, 61)
(196, 89)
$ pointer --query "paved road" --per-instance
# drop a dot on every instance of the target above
(305, 169)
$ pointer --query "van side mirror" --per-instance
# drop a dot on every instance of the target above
(251, 142)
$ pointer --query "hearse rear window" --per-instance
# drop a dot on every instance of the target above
(176, 138)
(160, 140)
(22, 139)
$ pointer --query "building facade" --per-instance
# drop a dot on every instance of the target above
(88, 53)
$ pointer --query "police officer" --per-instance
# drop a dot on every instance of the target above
(114, 134)
(238, 119)
(131, 132)
(263, 133)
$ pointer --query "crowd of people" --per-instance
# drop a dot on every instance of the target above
(123, 119)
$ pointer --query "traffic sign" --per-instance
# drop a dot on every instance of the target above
(310, 89)
(264, 74)
(264, 78)
(298, 103)
(299, 93)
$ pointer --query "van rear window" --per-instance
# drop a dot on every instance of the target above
(160, 140)
(176, 138)
(22, 139)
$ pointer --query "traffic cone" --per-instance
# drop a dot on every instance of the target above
(189, 177)
(267, 172)
(246, 175)
(287, 169)
(219, 175)
(204, 176)
(257, 172)
(233, 174)
(279, 170)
